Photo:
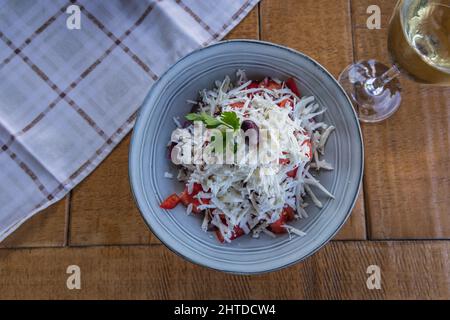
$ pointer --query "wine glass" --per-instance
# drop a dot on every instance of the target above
(419, 46)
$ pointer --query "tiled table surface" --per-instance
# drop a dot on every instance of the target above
(401, 221)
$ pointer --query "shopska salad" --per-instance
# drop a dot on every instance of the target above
(249, 198)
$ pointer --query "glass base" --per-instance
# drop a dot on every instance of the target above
(371, 104)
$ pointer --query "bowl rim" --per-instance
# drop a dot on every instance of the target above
(140, 122)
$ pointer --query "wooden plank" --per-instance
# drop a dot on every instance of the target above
(307, 28)
(45, 229)
(102, 207)
(360, 15)
(355, 227)
(319, 28)
(409, 270)
(407, 180)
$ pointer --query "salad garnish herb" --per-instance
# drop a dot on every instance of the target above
(228, 119)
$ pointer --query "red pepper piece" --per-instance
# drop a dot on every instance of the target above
(171, 202)
(288, 214)
(264, 83)
(219, 236)
(286, 102)
(270, 84)
(237, 105)
(253, 85)
(187, 198)
(293, 173)
(273, 85)
(237, 232)
(197, 187)
(290, 83)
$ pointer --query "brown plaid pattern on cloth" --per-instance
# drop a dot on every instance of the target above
(67, 97)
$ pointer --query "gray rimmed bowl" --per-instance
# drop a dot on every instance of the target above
(148, 156)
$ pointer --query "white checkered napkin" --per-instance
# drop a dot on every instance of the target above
(67, 97)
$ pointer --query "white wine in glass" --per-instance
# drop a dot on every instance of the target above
(419, 47)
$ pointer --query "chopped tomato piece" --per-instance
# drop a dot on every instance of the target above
(206, 201)
(286, 102)
(237, 105)
(171, 202)
(288, 214)
(196, 189)
(219, 236)
(277, 226)
(284, 161)
(269, 84)
(273, 85)
(185, 198)
(223, 219)
(264, 83)
(290, 83)
(292, 173)
(188, 199)
(237, 232)
(196, 202)
(253, 85)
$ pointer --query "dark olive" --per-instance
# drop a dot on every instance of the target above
(249, 124)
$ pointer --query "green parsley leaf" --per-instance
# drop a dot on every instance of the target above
(230, 119)
(210, 121)
(194, 117)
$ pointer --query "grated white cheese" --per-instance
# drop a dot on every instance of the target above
(189, 209)
(295, 231)
(168, 175)
(252, 195)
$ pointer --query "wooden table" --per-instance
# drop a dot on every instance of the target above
(401, 222)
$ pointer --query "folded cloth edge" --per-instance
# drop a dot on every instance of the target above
(125, 130)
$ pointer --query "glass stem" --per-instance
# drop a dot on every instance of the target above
(375, 86)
